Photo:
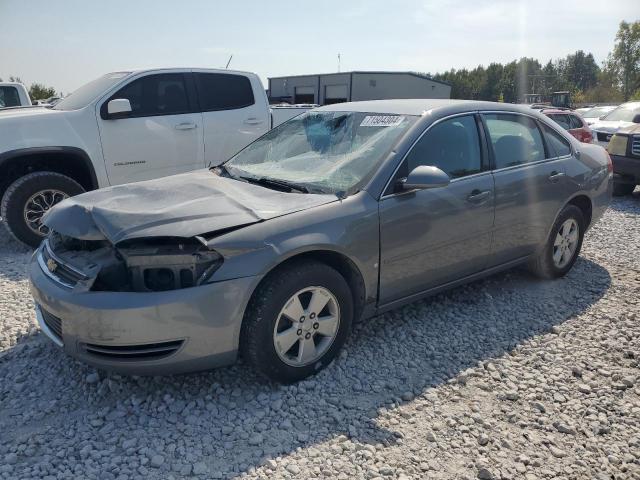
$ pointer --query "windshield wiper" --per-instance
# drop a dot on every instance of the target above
(279, 184)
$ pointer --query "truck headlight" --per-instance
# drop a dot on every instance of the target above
(169, 267)
(618, 145)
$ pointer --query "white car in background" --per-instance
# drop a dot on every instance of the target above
(593, 115)
(125, 127)
(13, 94)
(625, 115)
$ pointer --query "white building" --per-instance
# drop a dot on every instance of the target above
(324, 89)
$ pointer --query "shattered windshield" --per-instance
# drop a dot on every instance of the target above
(322, 151)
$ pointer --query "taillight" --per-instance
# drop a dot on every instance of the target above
(609, 162)
(588, 136)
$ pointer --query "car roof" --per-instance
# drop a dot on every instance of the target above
(421, 106)
(555, 110)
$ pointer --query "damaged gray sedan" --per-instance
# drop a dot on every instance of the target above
(339, 214)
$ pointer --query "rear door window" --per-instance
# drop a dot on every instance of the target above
(222, 91)
(515, 139)
(558, 145)
(162, 94)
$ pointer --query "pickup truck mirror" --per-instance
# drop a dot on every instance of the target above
(118, 108)
(423, 177)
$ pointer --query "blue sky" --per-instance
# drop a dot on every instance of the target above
(66, 43)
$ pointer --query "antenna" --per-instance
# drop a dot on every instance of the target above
(338, 63)
(228, 62)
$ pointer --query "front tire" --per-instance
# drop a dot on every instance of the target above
(297, 321)
(563, 246)
(28, 198)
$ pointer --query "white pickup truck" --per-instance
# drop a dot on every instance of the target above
(13, 94)
(124, 127)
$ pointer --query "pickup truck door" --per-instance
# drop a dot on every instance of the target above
(235, 112)
(162, 135)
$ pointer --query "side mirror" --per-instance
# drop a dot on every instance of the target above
(119, 108)
(636, 118)
(423, 177)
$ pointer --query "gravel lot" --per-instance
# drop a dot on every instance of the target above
(509, 378)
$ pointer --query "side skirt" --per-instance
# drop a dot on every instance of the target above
(446, 286)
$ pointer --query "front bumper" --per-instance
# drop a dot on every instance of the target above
(153, 333)
(626, 169)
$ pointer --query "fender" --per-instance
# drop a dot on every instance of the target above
(10, 155)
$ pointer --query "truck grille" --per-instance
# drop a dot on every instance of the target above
(149, 351)
(53, 322)
(604, 136)
(56, 269)
(635, 145)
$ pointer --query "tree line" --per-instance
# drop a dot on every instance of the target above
(616, 81)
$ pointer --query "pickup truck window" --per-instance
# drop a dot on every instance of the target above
(162, 94)
(9, 97)
(84, 95)
(219, 91)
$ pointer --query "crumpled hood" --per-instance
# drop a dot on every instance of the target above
(178, 206)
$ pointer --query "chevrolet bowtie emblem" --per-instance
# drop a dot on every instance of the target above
(52, 265)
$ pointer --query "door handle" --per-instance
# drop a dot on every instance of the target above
(477, 196)
(253, 121)
(186, 126)
(555, 176)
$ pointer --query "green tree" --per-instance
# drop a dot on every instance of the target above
(624, 60)
(37, 91)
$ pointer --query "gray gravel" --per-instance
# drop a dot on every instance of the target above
(510, 377)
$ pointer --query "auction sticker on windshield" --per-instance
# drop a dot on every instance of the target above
(382, 120)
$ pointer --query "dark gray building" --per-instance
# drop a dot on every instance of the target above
(327, 88)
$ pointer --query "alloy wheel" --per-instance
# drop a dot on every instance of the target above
(38, 204)
(566, 242)
(306, 326)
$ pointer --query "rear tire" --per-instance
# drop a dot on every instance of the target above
(623, 189)
(267, 331)
(559, 252)
(31, 195)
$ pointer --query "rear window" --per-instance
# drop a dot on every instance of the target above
(9, 97)
(561, 119)
(575, 121)
(222, 91)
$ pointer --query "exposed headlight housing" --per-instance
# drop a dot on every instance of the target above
(158, 268)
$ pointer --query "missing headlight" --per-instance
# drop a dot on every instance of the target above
(161, 265)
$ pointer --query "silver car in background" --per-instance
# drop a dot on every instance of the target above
(340, 214)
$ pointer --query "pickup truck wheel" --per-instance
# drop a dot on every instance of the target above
(29, 198)
(297, 321)
(623, 189)
(562, 248)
